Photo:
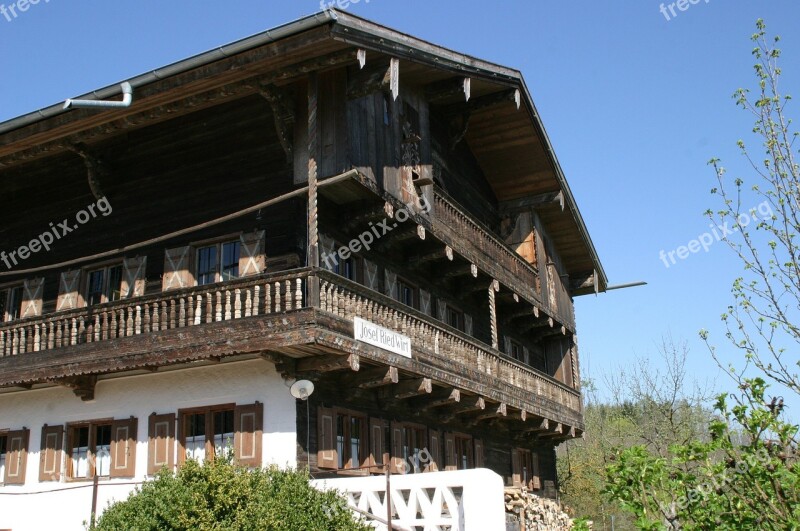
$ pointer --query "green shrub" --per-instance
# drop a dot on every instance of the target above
(220, 495)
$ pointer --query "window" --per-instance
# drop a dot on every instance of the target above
(3, 450)
(10, 303)
(525, 469)
(414, 441)
(455, 318)
(211, 431)
(351, 440)
(89, 450)
(407, 293)
(104, 285)
(349, 268)
(218, 262)
(516, 351)
(464, 455)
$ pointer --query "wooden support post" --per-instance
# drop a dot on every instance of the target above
(328, 363)
(493, 288)
(312, 285)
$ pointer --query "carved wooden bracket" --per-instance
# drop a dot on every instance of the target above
(82, 386)
(283, 115)
(94, 168)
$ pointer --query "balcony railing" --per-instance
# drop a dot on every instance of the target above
(248, 297)
(440, 344)
(435, 343)
(479, 244)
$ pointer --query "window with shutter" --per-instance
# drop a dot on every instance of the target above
(525, 469)
(123, 448)
(328, 257)
(378, 457)
(516, 468)
(89, 450)
(326, 439)
(206, 432)
(479, 461)
(371, 275)
(248, 431)
(450, 452)
(32, 298)
(441, 310)
(253, 257)
(435, 451)
(50, 456)
(11, 303)
(134, 277)
(161, 443)
(177, 269)
(69, 291)
(425, 302)
(14, 456)
(390, 284)
(104, 284)
(397, 463)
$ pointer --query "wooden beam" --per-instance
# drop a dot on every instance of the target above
(333, 362)
(541, 426)
(94, 168)
(82, 386)
(483, 102)
(448, 88)
(384, 76)
(500, 412)
(282, 115)
(415, 387)
(378, 377)
(453, 398)
(525, 204)
(441, 254)
(557, 431)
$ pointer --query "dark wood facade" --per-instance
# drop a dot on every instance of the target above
(343, 131)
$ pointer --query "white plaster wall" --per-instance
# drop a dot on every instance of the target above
(35, 506)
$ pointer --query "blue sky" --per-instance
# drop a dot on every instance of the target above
(634, 104)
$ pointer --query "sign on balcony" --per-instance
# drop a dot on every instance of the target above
(381, 337)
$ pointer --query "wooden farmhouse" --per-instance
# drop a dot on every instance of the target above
(330, 200)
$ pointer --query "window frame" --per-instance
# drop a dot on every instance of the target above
(218, 244)
(4, 446)
(106, 295)
(354, 259)
(7, 290)
(451, 310)
(91, 451)
(464, 441)
(209, 448)
(345, 457)
(419, 433)
(413, 289)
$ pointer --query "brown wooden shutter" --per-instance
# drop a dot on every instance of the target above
(479, 462)
(248, 432)
(371, 275)
(161, 443)
(516, 468)
(526, 355)
(32, 298)
(390, 284)
(425, 302)
(252, 251)
(450, 462)
(326, 439)
(134, 277)
(69, 297)
(377, 447)
(535, 478)
(397, 464)
(51, 454)
(435, 451)
(327, 252)
(177, 268)
(468, 324)
(123, 448)
(16, 457)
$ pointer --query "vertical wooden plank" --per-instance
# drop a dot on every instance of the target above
(312, 295)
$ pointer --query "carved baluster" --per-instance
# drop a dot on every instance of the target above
(248, 303)
(298, 294)
(219, 306)
(335, 300)
(181, 312)
(227, 305)
(81, 331)
(2, 343)
(164, 316)
(237, 303)
(209, 308)
(190, 311)
(277, 297)
(146, 318)
(23, 341)
(288, 295)
(323, 295)
(268, 299)
(15, 343)
(73, 332)
(198, 311)
(36, 338)
(138, 322)
(128, 321)
(172, 314)
(51, 335)
(256, 298)
(156, 323)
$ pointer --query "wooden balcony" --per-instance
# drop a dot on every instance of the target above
(478, 244)
(270, 314)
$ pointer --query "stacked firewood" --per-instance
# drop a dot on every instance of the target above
(535, 513)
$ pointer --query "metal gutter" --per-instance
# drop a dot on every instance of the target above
(113, 91)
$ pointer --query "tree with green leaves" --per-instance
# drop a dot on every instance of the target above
(745, 474)
(219, 495)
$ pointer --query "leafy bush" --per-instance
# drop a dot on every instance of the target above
(220, 495)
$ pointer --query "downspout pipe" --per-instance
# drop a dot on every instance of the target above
(127, 99)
